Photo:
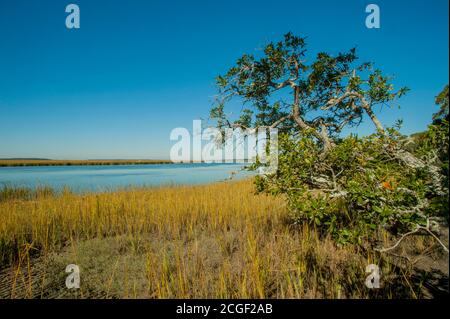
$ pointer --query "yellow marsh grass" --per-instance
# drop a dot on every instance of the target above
(217, 240)
(38, 162)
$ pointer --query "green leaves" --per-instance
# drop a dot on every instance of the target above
(347, 187)
(221, 81)
(246, 118)
(442, 101)
(367, 190)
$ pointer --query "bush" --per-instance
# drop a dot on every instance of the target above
(356, 188)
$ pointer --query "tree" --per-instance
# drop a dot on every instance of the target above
(346, 180)
(334, 88)
(442, 101)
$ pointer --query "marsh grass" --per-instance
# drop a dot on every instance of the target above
(48, 162)
(212, 241)
(10, 193)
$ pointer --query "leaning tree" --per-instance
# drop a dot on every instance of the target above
(347, 185)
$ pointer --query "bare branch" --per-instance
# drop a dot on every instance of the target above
(415, 231)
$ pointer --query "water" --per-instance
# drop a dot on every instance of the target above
(105, 178)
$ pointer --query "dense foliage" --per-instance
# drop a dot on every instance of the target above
(348, 187)
(364, 186)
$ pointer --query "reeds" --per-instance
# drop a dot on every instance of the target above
(8, 193)
(44, 162)
(217, 241)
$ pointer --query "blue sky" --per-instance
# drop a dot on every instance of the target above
(135, 70)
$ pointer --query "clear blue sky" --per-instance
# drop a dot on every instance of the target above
(137, 69)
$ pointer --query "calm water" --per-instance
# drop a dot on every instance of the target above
(102, 178)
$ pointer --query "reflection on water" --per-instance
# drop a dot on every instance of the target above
(101, 178)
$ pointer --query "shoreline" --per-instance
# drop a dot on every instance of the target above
(25, 163)
(32, 162)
